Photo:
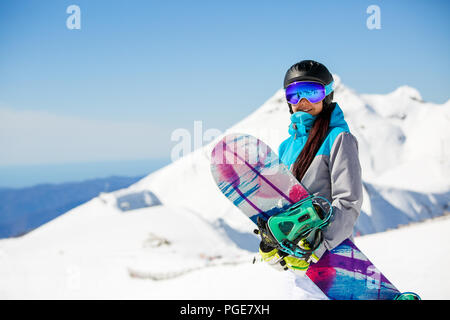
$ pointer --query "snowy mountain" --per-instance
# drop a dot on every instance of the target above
(404, 146)
(173, 234)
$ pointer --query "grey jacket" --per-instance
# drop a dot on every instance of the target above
(335, 173)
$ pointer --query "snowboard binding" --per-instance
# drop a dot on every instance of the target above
(297, 231)
(408, 296)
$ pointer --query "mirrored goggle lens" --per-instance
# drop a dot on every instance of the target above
(312, 91)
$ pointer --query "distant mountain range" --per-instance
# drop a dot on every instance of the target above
(24, 209)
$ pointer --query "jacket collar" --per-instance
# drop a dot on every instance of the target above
(301, 122)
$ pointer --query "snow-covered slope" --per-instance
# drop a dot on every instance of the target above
(415, 257)
(97, 252)
(198, 245)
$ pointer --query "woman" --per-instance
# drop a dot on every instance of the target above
(322, 154)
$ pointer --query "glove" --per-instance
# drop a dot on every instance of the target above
(281, 261)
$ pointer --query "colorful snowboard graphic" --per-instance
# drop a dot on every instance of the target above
(251, 175)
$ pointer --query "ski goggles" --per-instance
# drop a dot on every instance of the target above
(310, 90)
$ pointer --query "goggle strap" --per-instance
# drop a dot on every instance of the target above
(329, 88)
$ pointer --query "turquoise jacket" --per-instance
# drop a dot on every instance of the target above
(335, 172)
(301, 123)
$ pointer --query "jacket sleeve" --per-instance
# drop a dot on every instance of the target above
(346, 191)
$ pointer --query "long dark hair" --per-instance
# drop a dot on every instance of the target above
(317, 135)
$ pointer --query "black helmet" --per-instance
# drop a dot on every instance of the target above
(309, 70)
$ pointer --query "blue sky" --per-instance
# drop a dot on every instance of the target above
(157, 66)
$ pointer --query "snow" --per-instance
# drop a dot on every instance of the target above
(415, 258)
(95, 251)
(173, 235)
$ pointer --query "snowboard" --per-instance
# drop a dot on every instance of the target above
(253, 178)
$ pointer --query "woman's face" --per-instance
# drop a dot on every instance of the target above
(312, 108)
